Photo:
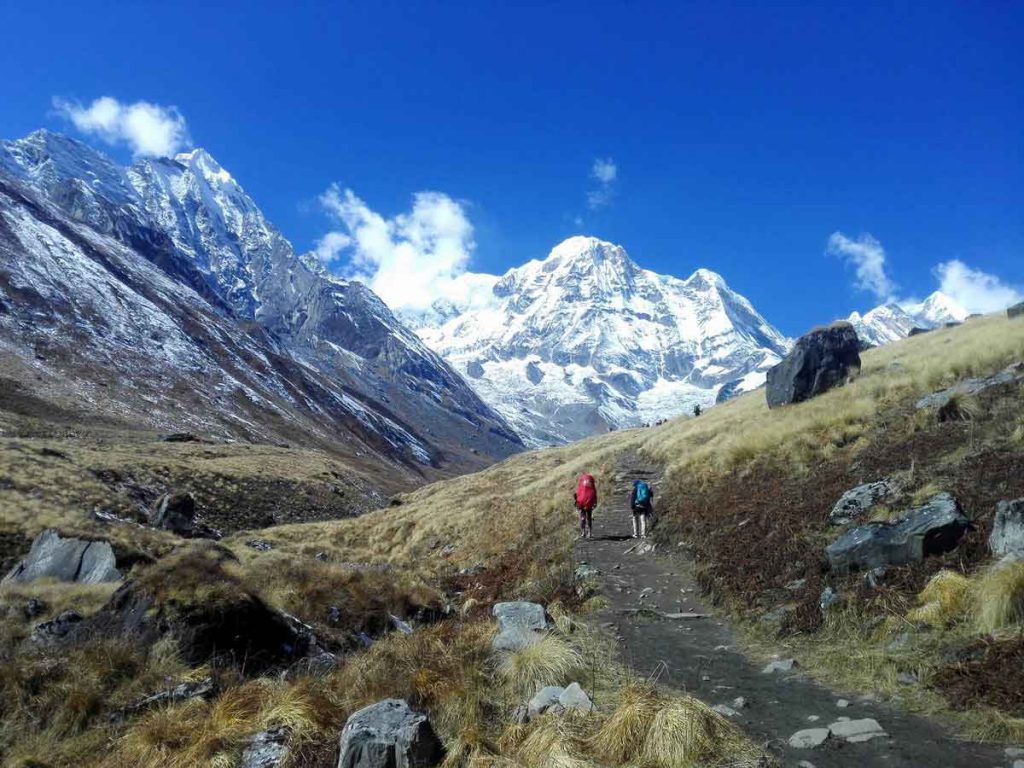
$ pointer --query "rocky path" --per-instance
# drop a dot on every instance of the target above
(665, 630)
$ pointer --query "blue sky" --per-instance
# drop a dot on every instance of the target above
(742, 137)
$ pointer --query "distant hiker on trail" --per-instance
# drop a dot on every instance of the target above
(641, 501)
(585, 499)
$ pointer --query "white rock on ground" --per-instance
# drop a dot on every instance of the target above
(857, 730)
(725, 710)
(809, 738)
(782, 665)
(544, 700)
(575, 698)
(842, 703)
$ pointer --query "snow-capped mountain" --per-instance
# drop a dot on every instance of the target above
(161, 294)
(891, 322)
(585, 341)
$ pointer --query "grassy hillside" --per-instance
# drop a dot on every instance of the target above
(747, 488)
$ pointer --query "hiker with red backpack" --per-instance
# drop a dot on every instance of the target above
(585, 499)
(641, 501)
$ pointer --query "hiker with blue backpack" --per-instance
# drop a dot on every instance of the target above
(641, 501)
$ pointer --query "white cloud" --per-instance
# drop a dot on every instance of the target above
(410, 260)
(974, 290)
(867, 256)
(604, 171)
(149, 129)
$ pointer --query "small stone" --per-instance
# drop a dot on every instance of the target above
(575, 698)
(842, 703)
(1013, 752)
(546, 698)
(855, 731)
(805, 764)
(260, 545)
(725, 711)
(705, 678)
(782, 665)
(905, 678)
(813, 718)
(739, 703)
(809, 738)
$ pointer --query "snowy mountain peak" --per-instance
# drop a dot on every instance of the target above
(891, 322)
(586, 340)
(202, 163)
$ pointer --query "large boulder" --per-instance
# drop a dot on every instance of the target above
(77, 560)
(1017, 310)
(389, 734)
(1007, 537)
(820, 360)
(857, 501)
(933, 528)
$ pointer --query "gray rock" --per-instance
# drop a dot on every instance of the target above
(875, 577)
(519, 625)
(389, 734)
(266, 749)
(514, 639)
(858, 501)
(85, 562)
(829, 599)
(260, 545)
(1017, 310)
(809, 738)
(937, 400)
(574, 698)
(34, 607)
(856, 731)
(796, 585)
(933, 528)
(400, 626)
(175, 512)
(520, 614)
(190, 689)
(805, 764)
(55, 629)
(906, 678)
(781, 665)
(774, 621)
(1014, 752)
(739, 703)
(1018, 764)
(725, 711)
(542, 702)
(842, 703)
(820, 360)
(1008, 528)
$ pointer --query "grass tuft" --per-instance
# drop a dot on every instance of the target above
(549, 661)
(999, 596)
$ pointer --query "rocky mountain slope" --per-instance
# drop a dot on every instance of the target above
(891, 322)
(585, 341)
(159, 295)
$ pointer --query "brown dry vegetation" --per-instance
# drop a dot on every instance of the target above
(747, 487)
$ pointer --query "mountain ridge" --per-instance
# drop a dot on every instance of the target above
(616, 344)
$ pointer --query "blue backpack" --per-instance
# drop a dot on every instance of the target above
(643, 494)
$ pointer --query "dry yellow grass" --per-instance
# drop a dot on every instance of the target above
(998, 597)
(943, 600)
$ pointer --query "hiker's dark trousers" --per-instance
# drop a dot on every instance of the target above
(586, 520)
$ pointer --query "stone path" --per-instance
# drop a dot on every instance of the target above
(664, 629)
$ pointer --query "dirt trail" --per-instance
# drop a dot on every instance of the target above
(699, 655)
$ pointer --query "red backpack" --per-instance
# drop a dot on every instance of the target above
(586, 492)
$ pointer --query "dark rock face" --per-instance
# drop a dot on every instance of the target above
(1007, 536)
(931, 529)
(85, 562)
(819, 361)
(1017, 310)
(917, 331)
(389, 734)
(175, 512)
